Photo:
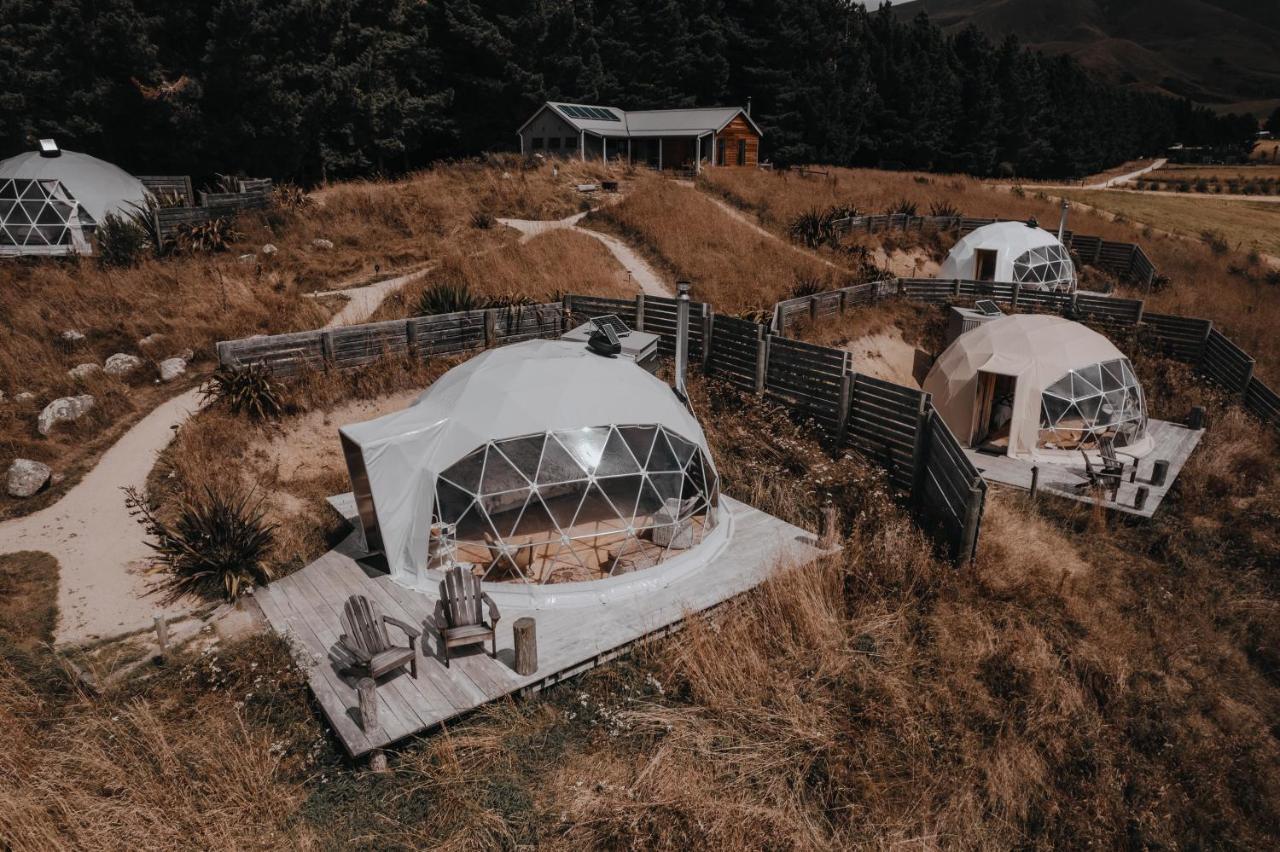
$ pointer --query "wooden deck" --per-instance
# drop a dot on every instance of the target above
(306, 606)
(1173, 442)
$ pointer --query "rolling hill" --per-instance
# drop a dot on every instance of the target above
(1221, 53)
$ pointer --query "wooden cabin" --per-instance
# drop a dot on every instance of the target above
(685, 139)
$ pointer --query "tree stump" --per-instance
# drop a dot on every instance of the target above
(828, 527)
(367, 691)
(526, 638)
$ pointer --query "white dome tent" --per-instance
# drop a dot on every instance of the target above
(52, 200)
(537, 463)
(1039, 387)
(1012, 253)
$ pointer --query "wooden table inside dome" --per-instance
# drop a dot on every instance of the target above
(306, 606)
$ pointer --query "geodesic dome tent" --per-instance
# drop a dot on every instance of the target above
(1039, 386)
(1013, 253)
(535, 463)
(52, 200)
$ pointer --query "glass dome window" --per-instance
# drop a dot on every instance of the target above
(578, 504)
(1101, 399)
(1047, 267)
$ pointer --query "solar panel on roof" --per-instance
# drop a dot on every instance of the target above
(571, 111)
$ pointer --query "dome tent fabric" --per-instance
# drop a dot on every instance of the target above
(1044, 354)
(523, 389)
(1024, 254)
(48, 202)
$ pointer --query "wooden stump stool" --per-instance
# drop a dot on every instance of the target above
(526, 638)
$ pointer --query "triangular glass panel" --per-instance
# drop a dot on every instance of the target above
(18, 215)
(50, 188)
(586, 445)
(563, 502)
(663, 458)
(669, 485)
(466, 471)
(557, 465)
(49, 216)
(64, 237)
(451, 501)
(623, 492)
(617, 458)
(597, 514)
(640, 440)
(6, 206)
(7, 190)
(500, 474)
(683, 449)
(29, 189)
(524, 453)
(535, 521)
(648, 505)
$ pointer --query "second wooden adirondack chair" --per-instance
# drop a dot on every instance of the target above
(459, 616)
(367, 641)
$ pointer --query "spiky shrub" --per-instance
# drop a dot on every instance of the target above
(806, 287)
(447, 297)
(903, 207)
(143, 217)
(482, 220)
(811, 228)
(944, 209)
(120, 241)
(208, 237)
(248, 390)
(288, 196)
(215, 547)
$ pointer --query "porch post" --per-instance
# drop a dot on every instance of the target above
(697, 155)
(521, 136)
(630, 160)
(582, 145)
(604, 150)
(712, 158)
(659, 153)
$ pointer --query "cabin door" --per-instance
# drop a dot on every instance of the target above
(984, 265)
(993, 411)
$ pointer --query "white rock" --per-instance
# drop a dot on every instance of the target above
(322, 244)
(122, 364)
(171, 368)
(80, 372)
(24, 396)
(72, 336)
(26, 477)
(150, 340)
(248, 258)
(269, 249)
(63, 410)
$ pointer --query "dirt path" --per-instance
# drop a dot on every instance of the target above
(98, 545)
(1106, 184)
(642, 274)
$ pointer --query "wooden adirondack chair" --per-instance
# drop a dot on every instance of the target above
(1107, 478)
(459, 616)
(367, 641)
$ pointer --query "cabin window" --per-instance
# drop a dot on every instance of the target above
(537, 143)
(742, 152)
(570, 142)
(553, 143)
(720, 152)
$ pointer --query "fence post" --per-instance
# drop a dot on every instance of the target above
(326, 347)
(411, 337)
(640, 312)
(1248, 377)
(1142, 309)
(972, 519)
(920, 448)
(844, 298)
(708, 330)
(813, 308)
(1204, 344)
(1017, 289)
(842, 416)
(957, 288)
(490, 327)
(762, 357)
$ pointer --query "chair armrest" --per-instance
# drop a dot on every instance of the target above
(409, 630)
(493, 607)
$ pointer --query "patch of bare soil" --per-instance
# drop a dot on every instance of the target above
(907, 263)
(885, 355)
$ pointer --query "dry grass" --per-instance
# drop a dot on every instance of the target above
(541, 269)
(730, 266)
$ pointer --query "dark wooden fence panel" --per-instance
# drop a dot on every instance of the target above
(283, 354)
(1262, 402)
(583, 308)
(951, 492)
(1226, 363)
(807, 378)
(358, 345)
(735, 348)
(1181, 338)
(883, 421)
(445, 334)
(174, 186)
(1108, 310)
(527, 322)
(660, 319)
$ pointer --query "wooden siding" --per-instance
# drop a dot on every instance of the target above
(733, 131)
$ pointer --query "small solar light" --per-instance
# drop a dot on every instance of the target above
(49, 148)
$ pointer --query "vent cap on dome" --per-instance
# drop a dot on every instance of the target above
(49, 148)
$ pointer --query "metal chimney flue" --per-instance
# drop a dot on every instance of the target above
(682, 336)
(748, 106)
(1062, 223)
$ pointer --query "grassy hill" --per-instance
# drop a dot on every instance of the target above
(1217, 52)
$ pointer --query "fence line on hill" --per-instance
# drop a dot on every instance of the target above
(891, 425)
(197, 208)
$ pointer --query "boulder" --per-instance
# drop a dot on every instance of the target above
(150, 340)
(172, 368)
(26, 477)
(247, 258)
(322, 244)
(80, 372)
(63, 410)
(72, 336)
(269, 249)
(24, 396)
(122, 364)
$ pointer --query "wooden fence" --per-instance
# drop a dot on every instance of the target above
(171, 186)
(891, 425)
(170, 221)
(1126, 260)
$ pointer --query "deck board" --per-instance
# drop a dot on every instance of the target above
(1173, 442)
(306, 606)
